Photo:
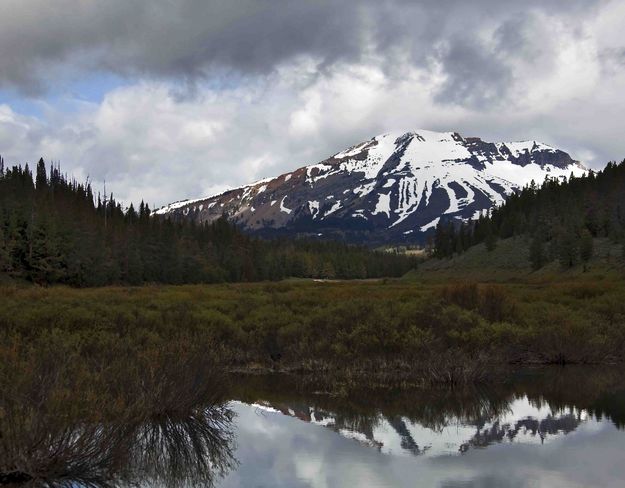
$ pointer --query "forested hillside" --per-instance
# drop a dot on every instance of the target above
(55, 230)
(561, 217)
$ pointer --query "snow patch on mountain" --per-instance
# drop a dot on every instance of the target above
(283, 208)
(524, 175)
(313, 208)
(430, 225)
(336, 206)
(176, 205)
(383, 205)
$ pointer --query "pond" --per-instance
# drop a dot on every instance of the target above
(555, 427)
(547, 428)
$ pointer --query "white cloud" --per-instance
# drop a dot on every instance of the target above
(148, 141)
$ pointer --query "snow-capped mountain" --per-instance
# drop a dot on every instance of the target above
(392, 188)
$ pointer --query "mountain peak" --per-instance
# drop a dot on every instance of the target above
(394, 187)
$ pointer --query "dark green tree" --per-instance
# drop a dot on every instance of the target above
(490, 241)
(537, 255)
(586, 247)
(567, 247)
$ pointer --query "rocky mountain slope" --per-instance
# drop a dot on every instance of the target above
(393, 188)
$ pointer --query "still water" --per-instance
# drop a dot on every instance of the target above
(557, 427)
(552, 429)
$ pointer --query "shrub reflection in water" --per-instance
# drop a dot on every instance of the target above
(158, 417)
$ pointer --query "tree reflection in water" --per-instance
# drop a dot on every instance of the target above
(165, 422)
(530, 407)
(195, 448)
(164, 418)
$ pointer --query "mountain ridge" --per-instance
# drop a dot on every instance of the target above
(392, 188)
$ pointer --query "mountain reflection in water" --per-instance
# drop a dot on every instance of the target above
(531, 409)
(554, 427)
(288, 437)
(520, 422)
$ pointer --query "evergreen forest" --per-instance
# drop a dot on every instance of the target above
(54, 229)
(561, 218)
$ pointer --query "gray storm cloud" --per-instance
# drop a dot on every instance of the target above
(187, 39)
(214, 94)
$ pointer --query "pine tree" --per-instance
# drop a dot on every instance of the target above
(586, 247)
(44, 260)
(490, 240)
(567, 248)
(537, 253)
(41, 178)
(327, 271)
(5, 254)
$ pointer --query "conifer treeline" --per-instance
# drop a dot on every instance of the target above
(560, 217)
(53, 230)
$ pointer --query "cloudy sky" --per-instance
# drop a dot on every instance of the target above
(172, 99)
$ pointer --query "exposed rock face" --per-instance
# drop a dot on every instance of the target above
(393, 188)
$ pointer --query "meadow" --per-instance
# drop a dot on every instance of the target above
(384, 331)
